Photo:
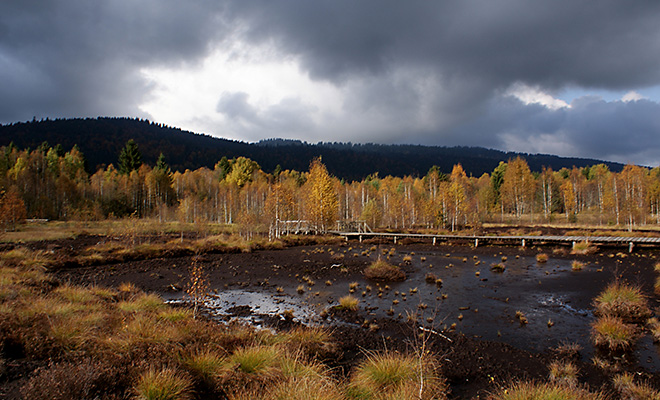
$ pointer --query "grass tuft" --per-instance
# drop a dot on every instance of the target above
(612, 333)
(577, 265)
(628, 389)
(544, 391)
(541, 258)
(564, 373)
(584, 248)
(349, 303)
(163, 384)
(384, 271)
(624, 301)
(394, 375)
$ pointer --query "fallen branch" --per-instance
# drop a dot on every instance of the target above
(421, 328)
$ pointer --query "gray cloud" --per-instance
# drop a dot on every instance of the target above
(82, 58)
(604, 44)
(421, 71)
(591, 127)
(289, 117)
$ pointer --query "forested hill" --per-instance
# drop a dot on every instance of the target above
(101, 140)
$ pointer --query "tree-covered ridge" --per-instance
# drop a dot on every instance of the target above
(49, 183)
(101, 139)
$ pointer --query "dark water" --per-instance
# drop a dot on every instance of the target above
(487, 301)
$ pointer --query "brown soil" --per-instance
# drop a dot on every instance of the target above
(473, 365)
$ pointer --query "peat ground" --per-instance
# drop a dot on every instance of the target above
(481, 345)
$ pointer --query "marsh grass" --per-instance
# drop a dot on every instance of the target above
(541, 258)
(163, 384)
(564, 373)
(383, 271)
(143, 303)
(613, 333)
(577, 265)
(628, 389)
(205, 364)
(349, 303)
(499, 267)
(395, 375)
(305, 389)
(584, 248)
(624, 301)
(544, 391)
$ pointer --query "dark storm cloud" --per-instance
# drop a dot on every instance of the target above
(609, 44)
(79, 58)
(431, 72)
(620, 131)
(466, 54)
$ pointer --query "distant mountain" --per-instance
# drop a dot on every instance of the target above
(101, 140)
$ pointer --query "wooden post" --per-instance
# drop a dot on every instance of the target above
(360, 236)
(394, 239)
(434, 240)
(630, 247)
(476, 242)
(523, 243)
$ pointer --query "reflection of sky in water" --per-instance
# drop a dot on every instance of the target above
(221, 304)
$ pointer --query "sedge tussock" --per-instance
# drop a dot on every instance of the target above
(349, 303)
(613, 333)
(395, 375)
(528, 391)
(624, 301)
(383, 271)
(163, 384)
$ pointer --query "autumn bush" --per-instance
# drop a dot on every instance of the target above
(383, 271)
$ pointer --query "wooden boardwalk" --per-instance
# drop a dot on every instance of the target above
(523, 240)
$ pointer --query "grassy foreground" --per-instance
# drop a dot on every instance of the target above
(60, 341)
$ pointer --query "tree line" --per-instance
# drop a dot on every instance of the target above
(51, 183)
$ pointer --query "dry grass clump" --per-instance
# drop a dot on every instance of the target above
(613, 333)
(544, 391)
(430, 278)
(628, 389)
(499, 267)
(577, 265)
(383, 271)
(584, 248)
(163, 384)
(541, 258)
(204, 364)
(563, 373)
(624, 301)
(304, 389)
(311, 341)
(396, 376)
(568, 350)
(654, 326)
(349, 303)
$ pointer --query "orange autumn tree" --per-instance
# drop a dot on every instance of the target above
(322, 202)
(12, 209)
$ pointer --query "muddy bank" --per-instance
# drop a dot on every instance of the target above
(482, 345)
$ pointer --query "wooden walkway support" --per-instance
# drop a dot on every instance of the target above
(523, 241)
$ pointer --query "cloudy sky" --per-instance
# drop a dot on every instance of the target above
(565, 77)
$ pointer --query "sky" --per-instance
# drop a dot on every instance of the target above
(564, 77)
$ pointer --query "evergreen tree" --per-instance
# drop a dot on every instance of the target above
(130, 158)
